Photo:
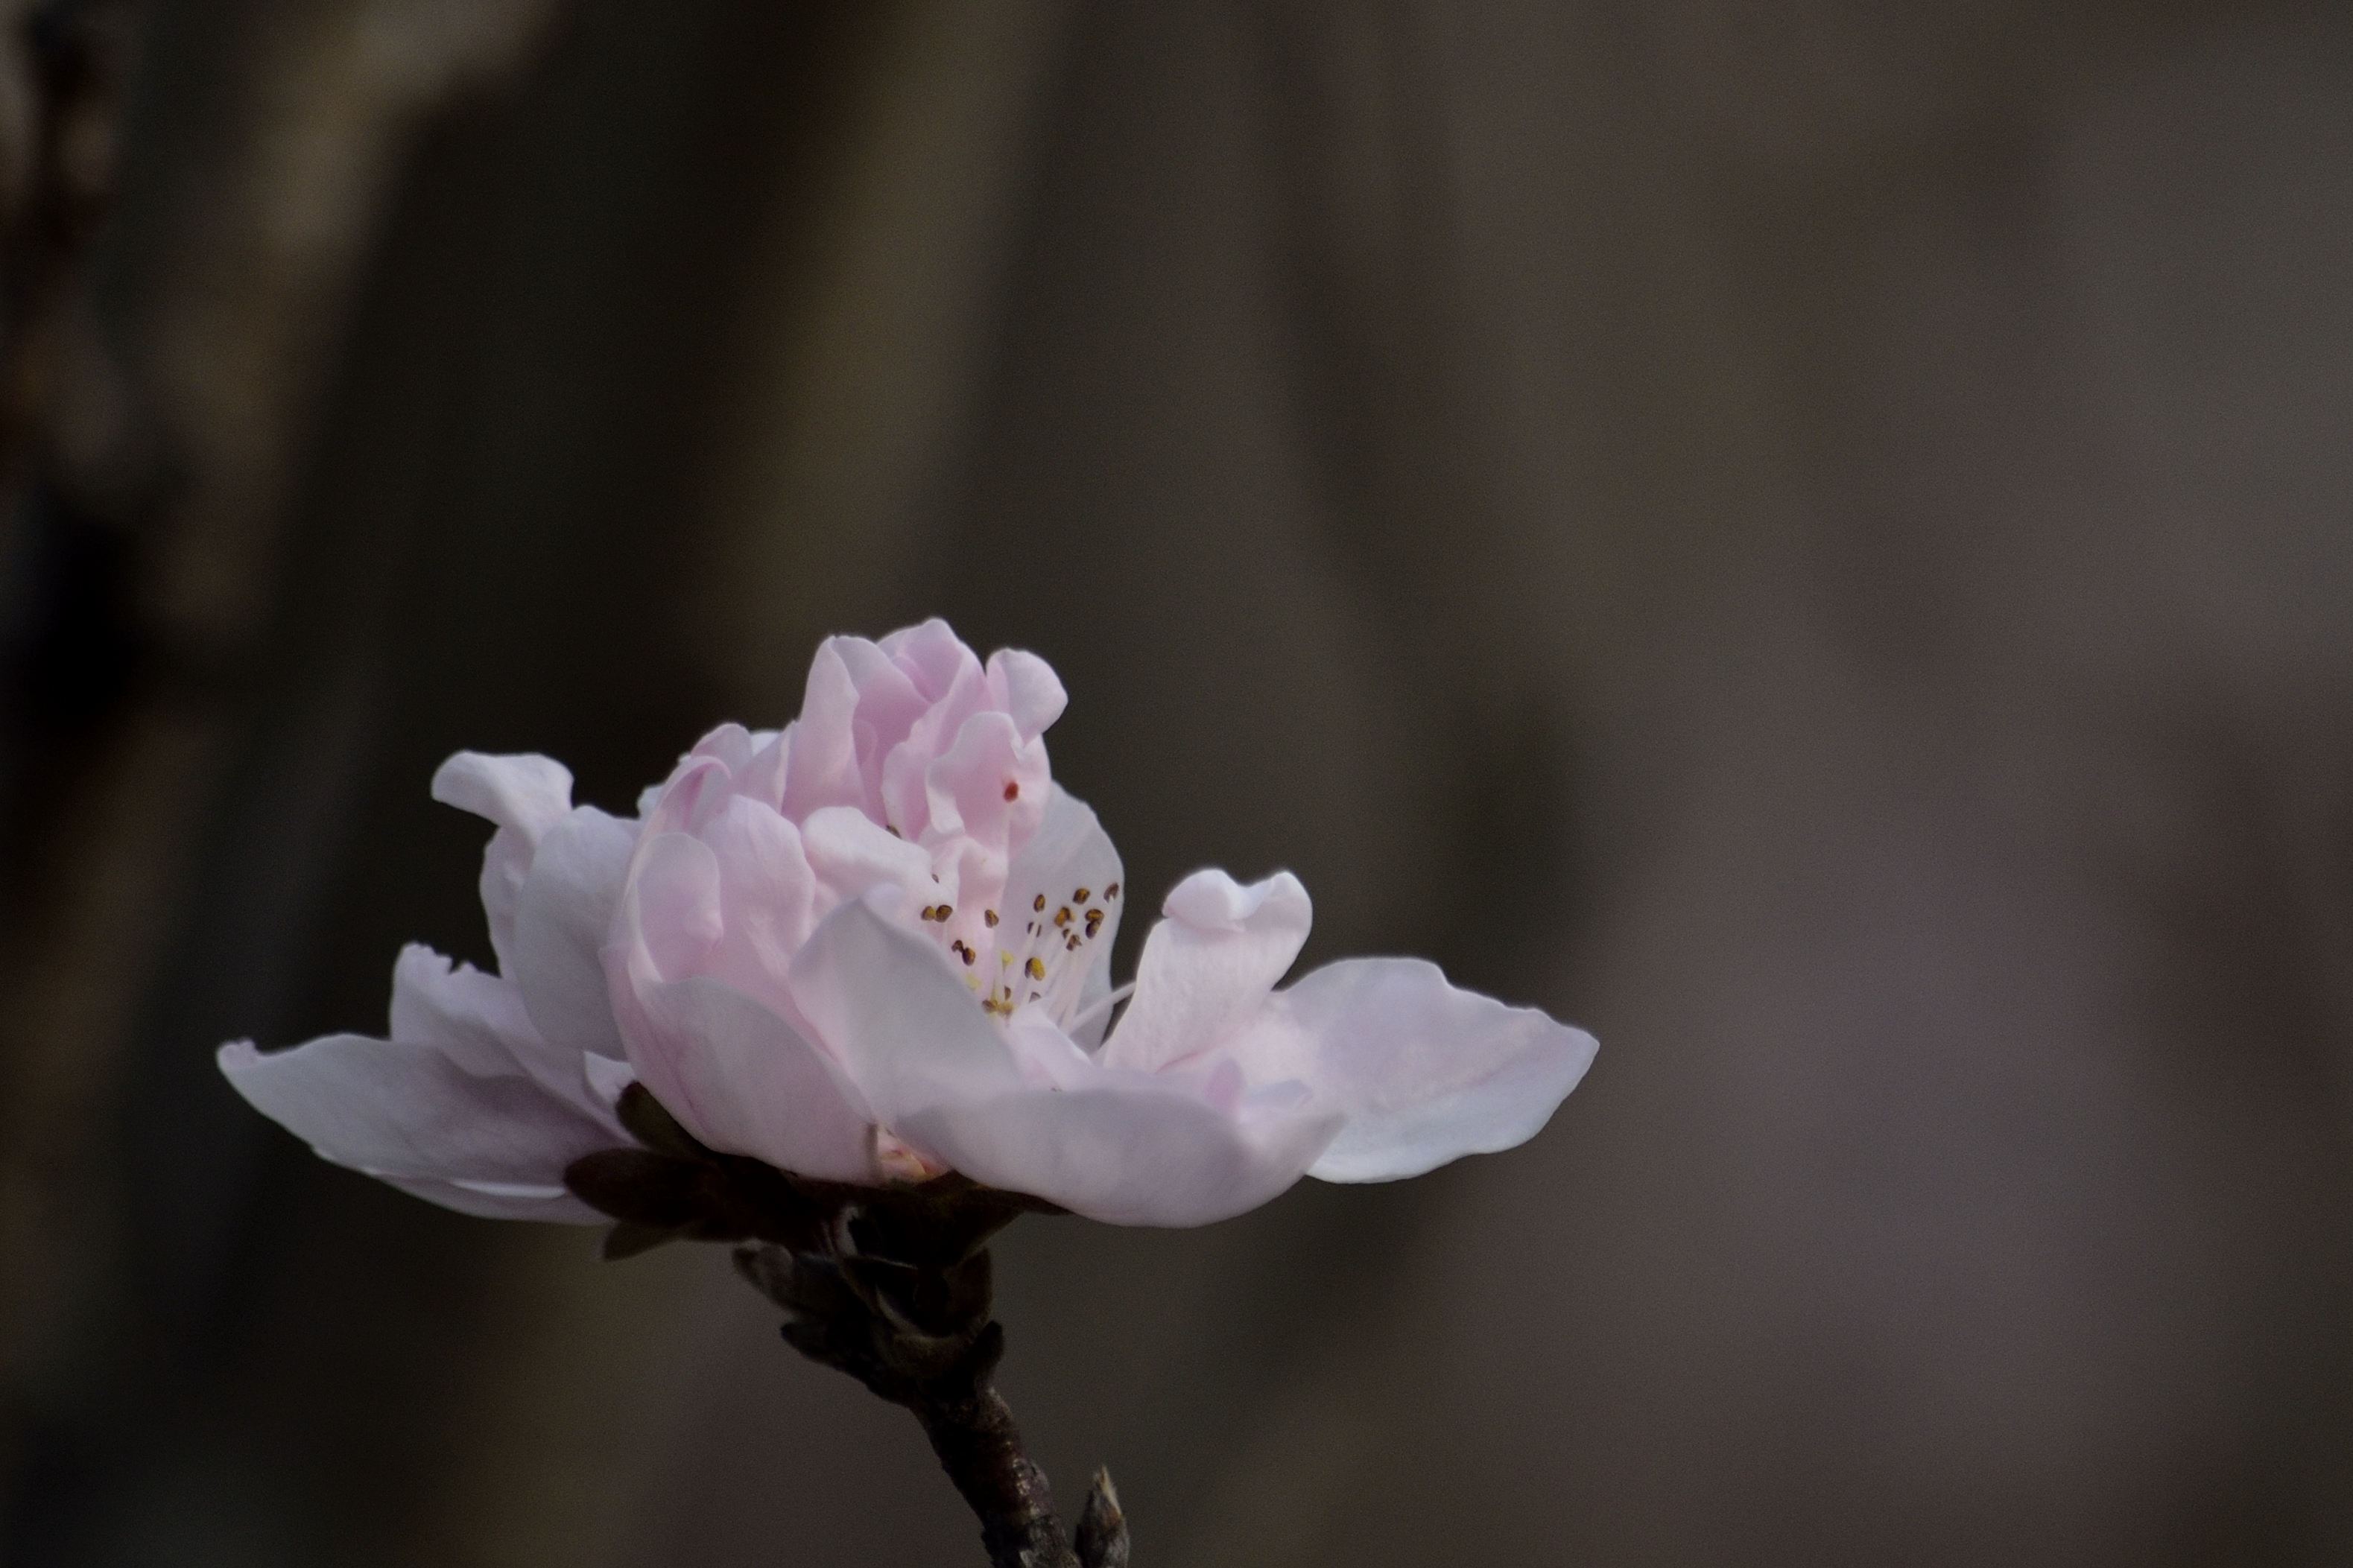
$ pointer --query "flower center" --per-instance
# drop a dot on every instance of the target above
(1042, 961)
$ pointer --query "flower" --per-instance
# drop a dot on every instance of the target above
(874, 948)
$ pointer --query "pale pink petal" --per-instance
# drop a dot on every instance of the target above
(890, 697)
(889, 705)
(699, 786)
(738, 1075)
(673, 884)
(729, 745)
(763, 778)
(1128, 1153)
(991, 785)
(525, 795)
(672, 906)
(1067, 853)
(1423, 1072)
(905, 808)
(851, 853)
(1048, 1058)
(1026, 687)
(767, 898)
(478, 1021)
(906, 772)
(905, 1027)
(746, 1082)
(1207, 967)
(562, 921)
(397, 1108)
(932, 655)
(822, 769)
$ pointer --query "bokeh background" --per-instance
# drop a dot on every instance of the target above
(1812, 537)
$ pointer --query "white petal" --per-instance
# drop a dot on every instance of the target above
(466, 1016)
(608, 1077)
(525, 795)
(1070, 850)
(528, 793)
(562, 921)
(908, 1030)
(1208, 968)
(1049, 1058)
(1127, 1154)
(493, 1200)
(746, 1082)
(478, 1021)
(397, 1108)
(1423, 1072)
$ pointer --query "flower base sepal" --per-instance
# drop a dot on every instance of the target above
(675, 1188)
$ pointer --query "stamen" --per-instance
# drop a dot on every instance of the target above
(1053, 954)
(1102, 1006)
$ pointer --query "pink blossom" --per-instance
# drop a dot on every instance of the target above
(875, 947)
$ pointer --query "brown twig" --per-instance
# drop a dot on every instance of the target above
(891, 1285)
(941, 1379)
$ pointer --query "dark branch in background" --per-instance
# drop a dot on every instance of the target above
(69, 53)
(66, 648)
(891, 1285)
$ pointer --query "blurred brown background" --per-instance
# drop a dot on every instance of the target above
(1811, 538)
